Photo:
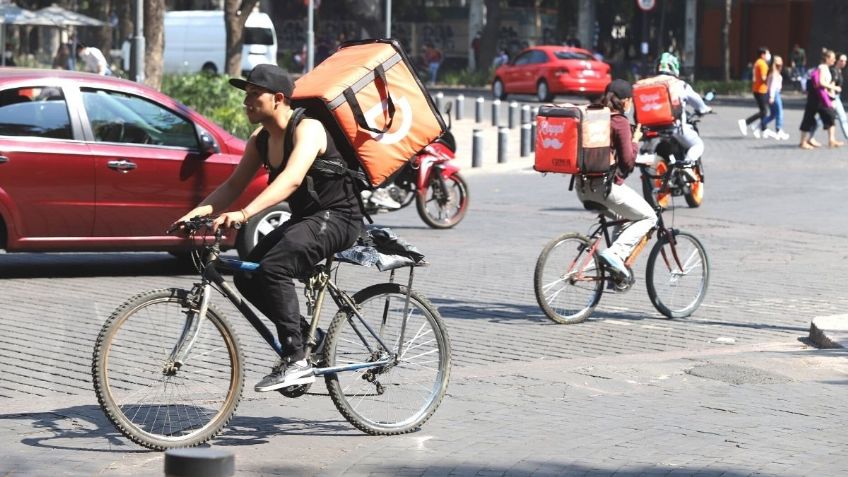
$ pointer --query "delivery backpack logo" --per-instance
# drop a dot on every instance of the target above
(650, 102)
(380, 109)
(548, 133)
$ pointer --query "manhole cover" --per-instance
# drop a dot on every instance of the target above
(730, 373)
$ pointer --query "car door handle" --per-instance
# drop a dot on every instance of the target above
(122, 165)
(4, 159)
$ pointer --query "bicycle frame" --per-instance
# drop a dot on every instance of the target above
(318, 284)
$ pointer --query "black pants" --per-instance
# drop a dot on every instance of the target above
(291, 251)
(763, 104)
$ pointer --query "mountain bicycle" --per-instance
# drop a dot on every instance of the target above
(168, 368)
(570, 277)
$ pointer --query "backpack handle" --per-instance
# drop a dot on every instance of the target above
(350, 96)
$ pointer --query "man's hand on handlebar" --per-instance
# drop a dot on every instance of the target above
(229, 220)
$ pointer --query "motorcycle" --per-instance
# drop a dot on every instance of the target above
(430, 179)
(660, 149)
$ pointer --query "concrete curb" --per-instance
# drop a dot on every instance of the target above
(830, 331)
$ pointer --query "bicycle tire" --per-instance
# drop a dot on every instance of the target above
(666, 288)
(443, 216)
(553, 269)
(394, 399)
(129, 356)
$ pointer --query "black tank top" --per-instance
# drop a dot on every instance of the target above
(332, 191)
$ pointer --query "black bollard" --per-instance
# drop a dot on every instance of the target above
(525, 139)
(477, 148)
(199, 462)
(525, 114)
(513, 110)
(532, 136)
(496, 112)
(460, 107)
(503, 144)
(478, 110)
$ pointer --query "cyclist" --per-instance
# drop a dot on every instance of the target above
(326, 217)
(685, 134)
(619, 200)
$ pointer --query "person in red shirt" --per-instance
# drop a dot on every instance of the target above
(760, 90)
(620, 201)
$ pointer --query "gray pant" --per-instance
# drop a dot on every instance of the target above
(622, 203)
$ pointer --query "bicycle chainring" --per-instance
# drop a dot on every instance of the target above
(622, 284)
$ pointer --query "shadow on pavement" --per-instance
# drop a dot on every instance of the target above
(254, 430)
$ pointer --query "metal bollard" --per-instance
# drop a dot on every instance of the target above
(460, 107)
(532, 136)
(525, 114)
(199, 462)
(477, 148)
(439, 99)
(478, 110)
(525, 139)
(513, 109)
(496, 112)
(503, 144)
(534, 113)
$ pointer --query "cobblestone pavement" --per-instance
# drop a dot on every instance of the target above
(733, 390)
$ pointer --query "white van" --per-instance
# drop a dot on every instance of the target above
(196, 40)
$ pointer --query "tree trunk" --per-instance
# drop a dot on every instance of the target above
(489, 38)
(234, 20)
(154, 41)
(725, 38)
(102, 11)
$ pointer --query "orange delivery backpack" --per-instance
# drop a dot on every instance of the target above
(373, 104)
(657, 100)
(573, 140)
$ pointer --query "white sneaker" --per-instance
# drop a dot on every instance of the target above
(782, 135)
(284, 375)
(769, 134)
(614, 263)
(743, 128)
(381, 198)
(756, 132)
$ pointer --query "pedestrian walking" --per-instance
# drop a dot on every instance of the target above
(433, 59)
(799, 66)
(775, 86)
(759, 87)
(93, 60)
(819, 102)
(836, 74)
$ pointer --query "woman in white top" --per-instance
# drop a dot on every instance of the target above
(775, 86)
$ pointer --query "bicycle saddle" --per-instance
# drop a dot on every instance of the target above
(592, 205)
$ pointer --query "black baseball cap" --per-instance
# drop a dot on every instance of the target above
(620, 88)
(270, 77)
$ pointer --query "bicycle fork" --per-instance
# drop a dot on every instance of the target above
(191, 329)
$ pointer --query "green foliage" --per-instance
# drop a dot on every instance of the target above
(466, 78)
(213, 97)
(739, 87)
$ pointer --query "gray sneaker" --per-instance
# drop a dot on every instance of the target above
(614, 263)
(284, 375)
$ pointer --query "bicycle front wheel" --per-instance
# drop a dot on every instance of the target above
(157, 401)
(443, 207)
(568, 282)
(677, 275)
(397, 397)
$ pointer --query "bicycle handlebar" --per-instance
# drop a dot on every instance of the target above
(194, 224)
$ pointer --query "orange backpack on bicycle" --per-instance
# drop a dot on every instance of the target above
(573, 140)
(657, 100)
(376, 109)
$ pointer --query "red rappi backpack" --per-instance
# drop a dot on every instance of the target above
(369, 98)
(573, 140)
(657, 100)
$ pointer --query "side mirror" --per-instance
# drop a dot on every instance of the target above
(208, 144)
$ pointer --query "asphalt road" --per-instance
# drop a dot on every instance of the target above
(733, 390)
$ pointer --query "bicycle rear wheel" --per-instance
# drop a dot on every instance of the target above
(676, 286)
(443, 207)
(398, 397)
(568, 282)
(152, 400)
(695, 191)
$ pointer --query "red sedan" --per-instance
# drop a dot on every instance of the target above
(550, 70)
(95, 163)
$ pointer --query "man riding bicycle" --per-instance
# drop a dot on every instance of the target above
(619, 200)
(299, 155)
(685, 134)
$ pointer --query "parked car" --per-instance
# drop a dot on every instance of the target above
(96, 163)
(550, 70)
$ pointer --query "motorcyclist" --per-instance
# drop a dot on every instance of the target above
(685, 134)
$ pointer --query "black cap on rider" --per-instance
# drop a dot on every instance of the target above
(622, 89)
